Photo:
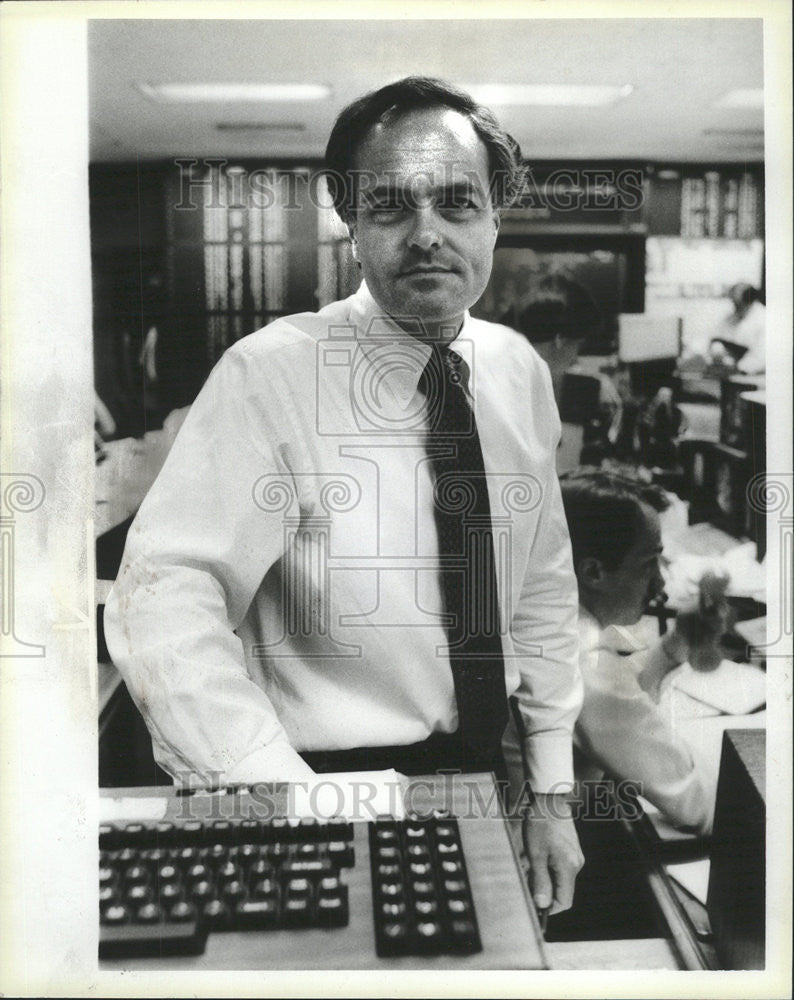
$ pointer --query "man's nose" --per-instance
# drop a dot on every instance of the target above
(425, 233)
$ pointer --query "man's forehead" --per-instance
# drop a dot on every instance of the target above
(430, 141)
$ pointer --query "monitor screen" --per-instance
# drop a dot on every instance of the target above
(648, 338)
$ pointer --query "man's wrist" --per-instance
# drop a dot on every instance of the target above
(550, 805)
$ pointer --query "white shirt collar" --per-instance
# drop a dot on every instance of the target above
(400, 357)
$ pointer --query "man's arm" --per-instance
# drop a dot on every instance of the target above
(549, 696)
(195, 557)
(623, 731)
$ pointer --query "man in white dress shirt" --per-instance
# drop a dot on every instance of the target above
(279, 609)
(616, 538)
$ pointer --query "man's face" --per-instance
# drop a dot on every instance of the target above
(627, 589)
(425, 226)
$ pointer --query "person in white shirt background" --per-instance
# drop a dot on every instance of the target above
(279, 603)
(616, 538)
(741, 337)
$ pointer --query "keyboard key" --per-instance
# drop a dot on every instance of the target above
(315, 869)
(164, 834)
(250, 831)
(217, 915)
(332, 911)
(108, 837)
(257, 913)
(170, 893)
(149, 913)
(423, 888)
(117, 914)
(338, 829)
(426, 907)
(136, 875)
(233, 891)
(222, 832)
(198, 873)
(136, 895)
(247, 853)
(342, 853)
(155, 855)
(265, 888)
(167, 873)
(191, 833)
(297, 912)
(464, 936)
(107, 896)
(428, 936)
(421, 869)
(134, 835)
(298, 888)
(202, 891)
(310, 830)
(261, 869)
(182, 912)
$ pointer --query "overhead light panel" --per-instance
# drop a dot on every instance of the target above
(549, 94)
(743, 97)
(207, 93)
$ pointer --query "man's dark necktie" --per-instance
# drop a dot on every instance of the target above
(466, 553)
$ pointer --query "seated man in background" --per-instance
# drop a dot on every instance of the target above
(616, 539)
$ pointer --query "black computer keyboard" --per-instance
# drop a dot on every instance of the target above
(164, 887)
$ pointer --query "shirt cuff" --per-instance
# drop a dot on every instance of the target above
(549, 763)
(275, 762)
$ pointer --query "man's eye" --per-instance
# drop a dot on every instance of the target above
(387, 206)
(462, 204)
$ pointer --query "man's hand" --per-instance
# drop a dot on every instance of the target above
(552, 848)
(700, 626)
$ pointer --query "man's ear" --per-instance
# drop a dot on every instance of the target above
(590, 572)
(497, 219)
(351, 229)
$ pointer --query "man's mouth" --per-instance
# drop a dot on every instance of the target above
(427, 270)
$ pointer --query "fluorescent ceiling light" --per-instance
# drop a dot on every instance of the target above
(201, 93)
(744, 97)
(549, 94)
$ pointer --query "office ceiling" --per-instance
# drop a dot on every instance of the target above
(678, 69)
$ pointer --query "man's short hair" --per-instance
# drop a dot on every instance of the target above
(391, 102)
(559, 307)
(604, 514)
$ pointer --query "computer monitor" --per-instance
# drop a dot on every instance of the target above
(648, 338)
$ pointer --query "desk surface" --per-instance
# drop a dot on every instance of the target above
(508, 926)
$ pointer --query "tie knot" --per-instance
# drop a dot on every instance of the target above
(444, 367)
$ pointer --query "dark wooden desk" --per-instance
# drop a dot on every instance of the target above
(509, 929)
